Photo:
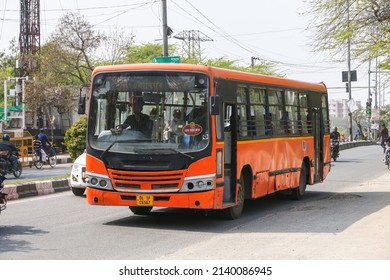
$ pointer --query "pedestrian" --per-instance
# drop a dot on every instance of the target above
(384, 136)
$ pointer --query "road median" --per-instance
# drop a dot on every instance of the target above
(43, 187)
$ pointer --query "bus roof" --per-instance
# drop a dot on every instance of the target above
(216, 73)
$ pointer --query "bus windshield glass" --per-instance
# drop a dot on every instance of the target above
(149, 112)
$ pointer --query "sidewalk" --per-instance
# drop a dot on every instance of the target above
(29, 189)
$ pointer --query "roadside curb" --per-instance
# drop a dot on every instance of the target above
(36, 188)
(348, 145)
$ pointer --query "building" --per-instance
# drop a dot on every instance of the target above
(339, 108)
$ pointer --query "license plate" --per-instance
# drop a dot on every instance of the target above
(144, 200)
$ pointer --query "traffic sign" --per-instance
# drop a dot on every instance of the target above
(344, 75)
(166, 59)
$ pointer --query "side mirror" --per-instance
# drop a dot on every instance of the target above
(81, 107)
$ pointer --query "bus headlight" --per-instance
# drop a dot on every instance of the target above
(98, 182)
(198, 183)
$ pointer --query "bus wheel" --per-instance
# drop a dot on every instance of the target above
(234, 212)
(137, 210)
(298, 192)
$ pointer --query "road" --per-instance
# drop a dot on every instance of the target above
(346, 217)
(36, 174)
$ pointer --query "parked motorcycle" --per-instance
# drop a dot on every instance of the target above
(3, 195)
(6, 165)
(334, 149)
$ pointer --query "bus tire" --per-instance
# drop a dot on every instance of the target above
(234, 212)
(297, 193)
(138, 210)
(78, 191)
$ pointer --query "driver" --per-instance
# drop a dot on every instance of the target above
(138, 120)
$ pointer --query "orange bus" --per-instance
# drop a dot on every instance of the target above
(200, 137)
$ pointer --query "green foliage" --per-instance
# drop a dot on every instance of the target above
(384, 115)
(145, 53)
(363, 23)
(261, 67)
(75, 138)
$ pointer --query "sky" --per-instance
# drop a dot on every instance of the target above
(272, 30)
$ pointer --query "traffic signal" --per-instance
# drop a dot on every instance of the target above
(346, 87)
(368, 108)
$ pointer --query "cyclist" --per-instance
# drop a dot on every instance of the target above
(44, 140)
(38, 148)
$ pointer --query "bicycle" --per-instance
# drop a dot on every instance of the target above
(51, 158)
(387, 160)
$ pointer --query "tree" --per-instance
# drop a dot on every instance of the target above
(7, 65)
(65, 65)
(115, 47)
(262, 67)
(384, 115)
(79, 40)
(360, 118)
(145, 53)
(365, 23)
(75, 138)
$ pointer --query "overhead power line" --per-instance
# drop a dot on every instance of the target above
(191, 42)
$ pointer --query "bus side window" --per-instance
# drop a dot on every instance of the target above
(242, 121)
(268, 124)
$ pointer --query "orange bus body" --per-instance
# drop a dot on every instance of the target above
(272, 164)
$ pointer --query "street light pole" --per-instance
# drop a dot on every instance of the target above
(5, 102)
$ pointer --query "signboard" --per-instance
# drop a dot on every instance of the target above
(166, 59)
(192, 129)
(344, 75)
(375, 115)
(351, 105)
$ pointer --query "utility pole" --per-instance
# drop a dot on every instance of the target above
(165, 27)
(349, 76)
(369, 101)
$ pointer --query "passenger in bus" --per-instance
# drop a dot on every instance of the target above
(198, 116)
(153, 114)
(173, 128)
(138, 121)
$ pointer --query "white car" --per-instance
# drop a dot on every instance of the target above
(77, 176)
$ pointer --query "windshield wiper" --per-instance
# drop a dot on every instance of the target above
(108, 148)
(172, 150)
(120, 141)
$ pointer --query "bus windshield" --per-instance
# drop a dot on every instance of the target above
(149, 112)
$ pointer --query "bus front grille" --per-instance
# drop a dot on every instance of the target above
(130, 181)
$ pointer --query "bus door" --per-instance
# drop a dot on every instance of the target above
(318, 144)
(230, 147)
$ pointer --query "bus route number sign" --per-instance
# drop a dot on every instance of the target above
(144, 200)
